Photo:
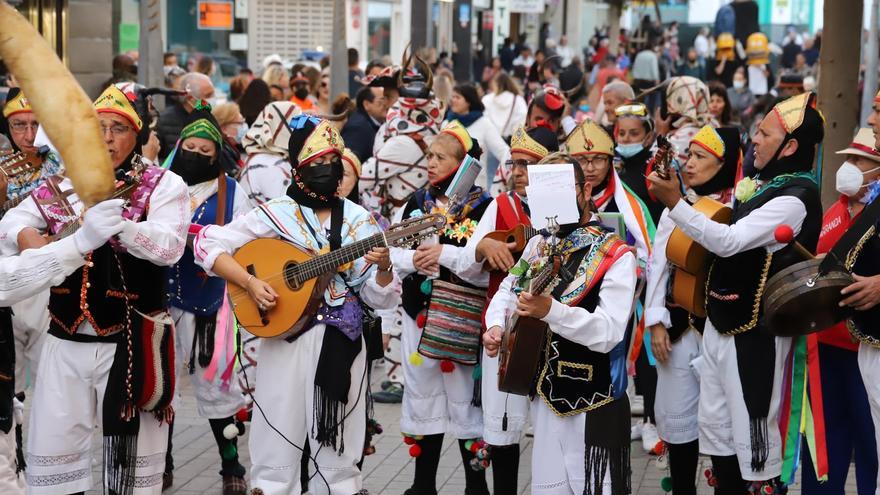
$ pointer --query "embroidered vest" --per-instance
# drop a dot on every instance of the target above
(573, 378)
(457, 232)
(96, 293)
(189, 287)
(736, 283)
(864, 260)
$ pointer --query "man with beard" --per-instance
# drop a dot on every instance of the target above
(104, 310)
(741, 371)
(313, 386)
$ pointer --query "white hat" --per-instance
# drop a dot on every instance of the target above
(272, 59)
(862, 145)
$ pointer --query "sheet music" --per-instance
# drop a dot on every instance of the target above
(552, 193)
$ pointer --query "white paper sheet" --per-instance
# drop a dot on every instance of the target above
(552, 193)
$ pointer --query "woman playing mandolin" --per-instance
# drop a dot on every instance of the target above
(714, 156)
(313, 386)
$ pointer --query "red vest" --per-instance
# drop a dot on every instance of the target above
(510, 214)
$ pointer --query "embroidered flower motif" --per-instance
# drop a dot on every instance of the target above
(460, 231)
(745, 189)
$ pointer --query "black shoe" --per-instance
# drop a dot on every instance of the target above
(391, 395)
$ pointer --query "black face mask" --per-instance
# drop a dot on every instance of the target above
(301, 93)
(315, 187)
(193, 167)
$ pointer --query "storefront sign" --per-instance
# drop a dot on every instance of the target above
(215, 15)
(527, 6)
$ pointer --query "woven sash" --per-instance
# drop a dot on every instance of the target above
(453, 324)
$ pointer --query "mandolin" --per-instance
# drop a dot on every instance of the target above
(522, 344)
(691, 260)
(661, 162)
(520, 235)
(15, 164)
(301, 278)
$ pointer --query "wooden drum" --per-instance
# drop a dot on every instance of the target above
(799, 302)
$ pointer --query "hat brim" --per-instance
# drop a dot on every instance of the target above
(858, 152)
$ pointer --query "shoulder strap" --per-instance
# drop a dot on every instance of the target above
(220, 218)
(336, 218)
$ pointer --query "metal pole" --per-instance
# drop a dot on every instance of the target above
(839, 67)
(871, 56)
(339, 55)
(150, 47)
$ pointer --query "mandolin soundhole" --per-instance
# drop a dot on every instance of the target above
(290, 276)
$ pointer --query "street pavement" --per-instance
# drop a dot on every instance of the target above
(388, 471)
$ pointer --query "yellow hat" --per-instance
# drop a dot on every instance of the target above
(758, 49)
(352, 160)
(521, 142)
(589, 138)
(724, 46)
(709, 139)
(324, 139)
(790, 111)
(458, 131)
(17, 104)
(117, 99)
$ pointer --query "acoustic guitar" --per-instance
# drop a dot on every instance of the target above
(522, 344)
(691, 260)
(15, 164)
(300, 278)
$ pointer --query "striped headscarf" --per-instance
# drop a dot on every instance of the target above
(270, 133)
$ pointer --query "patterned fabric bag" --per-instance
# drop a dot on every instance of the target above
(453, 324)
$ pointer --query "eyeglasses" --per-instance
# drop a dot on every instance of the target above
(518, 163)
(24, 126)
(115, 129)
(636, 109)
(596, 161)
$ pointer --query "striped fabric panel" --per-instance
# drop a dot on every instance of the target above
(452, 329)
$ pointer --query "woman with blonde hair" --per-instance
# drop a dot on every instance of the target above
(276, 75)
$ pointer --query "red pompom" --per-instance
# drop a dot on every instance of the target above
(553, 101)
(415, 451)
(783, 234)
(242, 415)
(475, 447)
(446, 366)
(767, 489)
(409, 440)
(421, 319)
(708, 473)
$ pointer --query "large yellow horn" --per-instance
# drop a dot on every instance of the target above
(60, 104)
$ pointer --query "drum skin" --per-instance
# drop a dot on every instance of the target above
(796, 302)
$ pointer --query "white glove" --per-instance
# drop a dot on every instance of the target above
(101, 222)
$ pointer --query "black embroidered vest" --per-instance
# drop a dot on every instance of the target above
(575, 379)
(736, 283)
(414, 299)
(864, 260)
(96, 292)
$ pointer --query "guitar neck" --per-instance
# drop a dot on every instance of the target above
(329, 262)
(12, 203)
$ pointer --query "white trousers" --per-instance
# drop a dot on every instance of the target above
(723, 417)
(392, 326)
(213, 402)
(30, 324)
(869, 367)
(678, 392)
(11, 483)
(496, 404)
(435, 402)
(285, 393)
(67, 407)
(558, 453)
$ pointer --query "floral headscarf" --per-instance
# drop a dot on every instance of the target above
(270, 133)
(688, 97)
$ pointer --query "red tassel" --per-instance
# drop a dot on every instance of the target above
(415, 451)
(421, 319)
(446, 366)
(409, 440)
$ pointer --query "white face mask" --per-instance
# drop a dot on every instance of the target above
(849, 179)
(739, 84)
(242, 130)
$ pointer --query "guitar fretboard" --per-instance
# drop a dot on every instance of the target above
(330, 261)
